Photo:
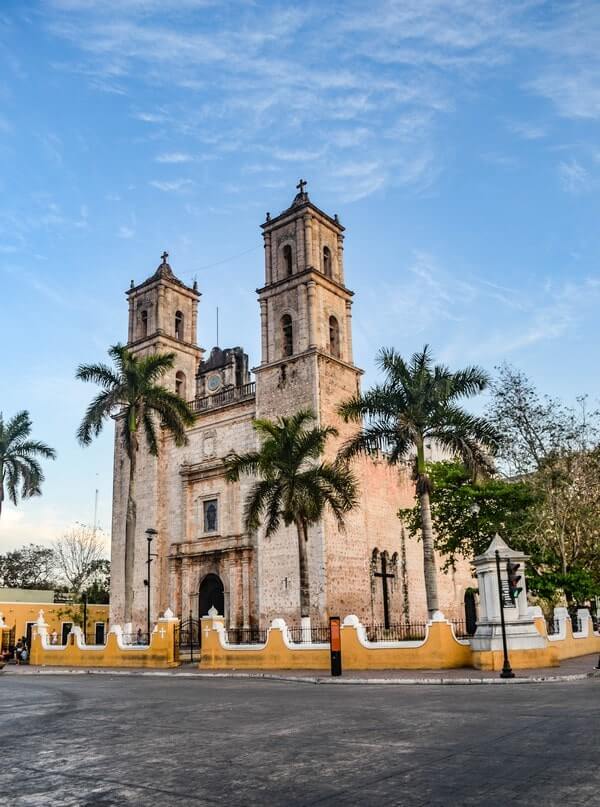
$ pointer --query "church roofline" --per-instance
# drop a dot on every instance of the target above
(301, 201)
(164, 273)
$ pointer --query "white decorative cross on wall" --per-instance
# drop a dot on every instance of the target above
(162, 633)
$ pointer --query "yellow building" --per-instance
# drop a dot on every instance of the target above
(20, 609)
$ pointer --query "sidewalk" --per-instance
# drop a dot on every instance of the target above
(570, 670)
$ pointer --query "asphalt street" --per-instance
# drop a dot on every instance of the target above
(109, 740)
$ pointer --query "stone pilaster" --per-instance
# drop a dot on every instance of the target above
(264, 332)
(311, 288)
(268, 259)
(308, 241)
(349, 350)
(245, 591)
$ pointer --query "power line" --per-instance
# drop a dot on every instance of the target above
(226, 260)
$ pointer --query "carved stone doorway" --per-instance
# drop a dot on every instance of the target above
(211, 595)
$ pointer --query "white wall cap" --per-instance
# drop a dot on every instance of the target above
(279, 624)
(535, 611)
(438, 616)
(351, 621)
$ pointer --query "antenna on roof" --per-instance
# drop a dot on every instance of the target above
(217, 326)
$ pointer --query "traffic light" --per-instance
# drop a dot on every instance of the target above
(514, 589)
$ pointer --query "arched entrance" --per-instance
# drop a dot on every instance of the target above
(211, 595)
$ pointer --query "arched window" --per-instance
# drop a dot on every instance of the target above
(287, 332)
(180, 384)
(178, 325)
(144, 324)
(327, 261)
(334, 337)
(288, 263)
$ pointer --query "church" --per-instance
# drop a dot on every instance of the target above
(202, 554)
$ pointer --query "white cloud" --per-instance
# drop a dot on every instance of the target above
(172, 186)
(126, 232)
(174, 157)
(574, 178)
(526, 130)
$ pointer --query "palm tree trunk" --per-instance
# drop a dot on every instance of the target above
(429, 569)
(130, 525)
(303, 562)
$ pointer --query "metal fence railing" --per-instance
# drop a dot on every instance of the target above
(135, 638)
(319, 634)
(402, 632)
(247, 635)
(461, 628)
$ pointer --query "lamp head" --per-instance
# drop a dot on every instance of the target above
(150, 533)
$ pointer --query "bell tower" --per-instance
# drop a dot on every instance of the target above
(306, 317)
(306, 363)
(163, 314)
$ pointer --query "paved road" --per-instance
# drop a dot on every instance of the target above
(104, 740)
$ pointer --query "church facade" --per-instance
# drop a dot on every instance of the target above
(203, 555)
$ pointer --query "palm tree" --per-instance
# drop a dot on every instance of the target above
(296, 486)
(19, 465)
(131, 391)
(416, 404)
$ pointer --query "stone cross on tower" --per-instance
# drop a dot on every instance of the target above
(164, 257)
(301, 185)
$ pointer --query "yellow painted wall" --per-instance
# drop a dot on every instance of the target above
(162, 653)
(571, 647)
(440, 650)
(20, 613)
(274, 656)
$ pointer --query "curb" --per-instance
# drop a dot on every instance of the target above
(312, 679)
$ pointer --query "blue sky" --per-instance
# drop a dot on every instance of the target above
(457, 141)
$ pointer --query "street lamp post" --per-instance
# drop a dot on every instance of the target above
(84, 601)
(475, 510)
(150, 533)
(506, 668)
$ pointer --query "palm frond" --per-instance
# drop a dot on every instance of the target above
(31, 448)
(238, 464)
(374, 439)
(99, 374)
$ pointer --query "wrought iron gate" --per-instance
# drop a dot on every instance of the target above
(190, 640)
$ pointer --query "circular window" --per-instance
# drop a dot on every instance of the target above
(214, 382)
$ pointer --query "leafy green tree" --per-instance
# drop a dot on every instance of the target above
(31, 566)
(417, 404)
(19, 459)
(98, 591)
(131, 391)
(556, 450)
(295, 485)
(467, 514)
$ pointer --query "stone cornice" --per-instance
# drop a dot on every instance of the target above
(313, 351)
(216, 545)
(305, 276)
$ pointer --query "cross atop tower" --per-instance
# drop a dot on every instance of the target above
(164, 257)
(301, 185)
